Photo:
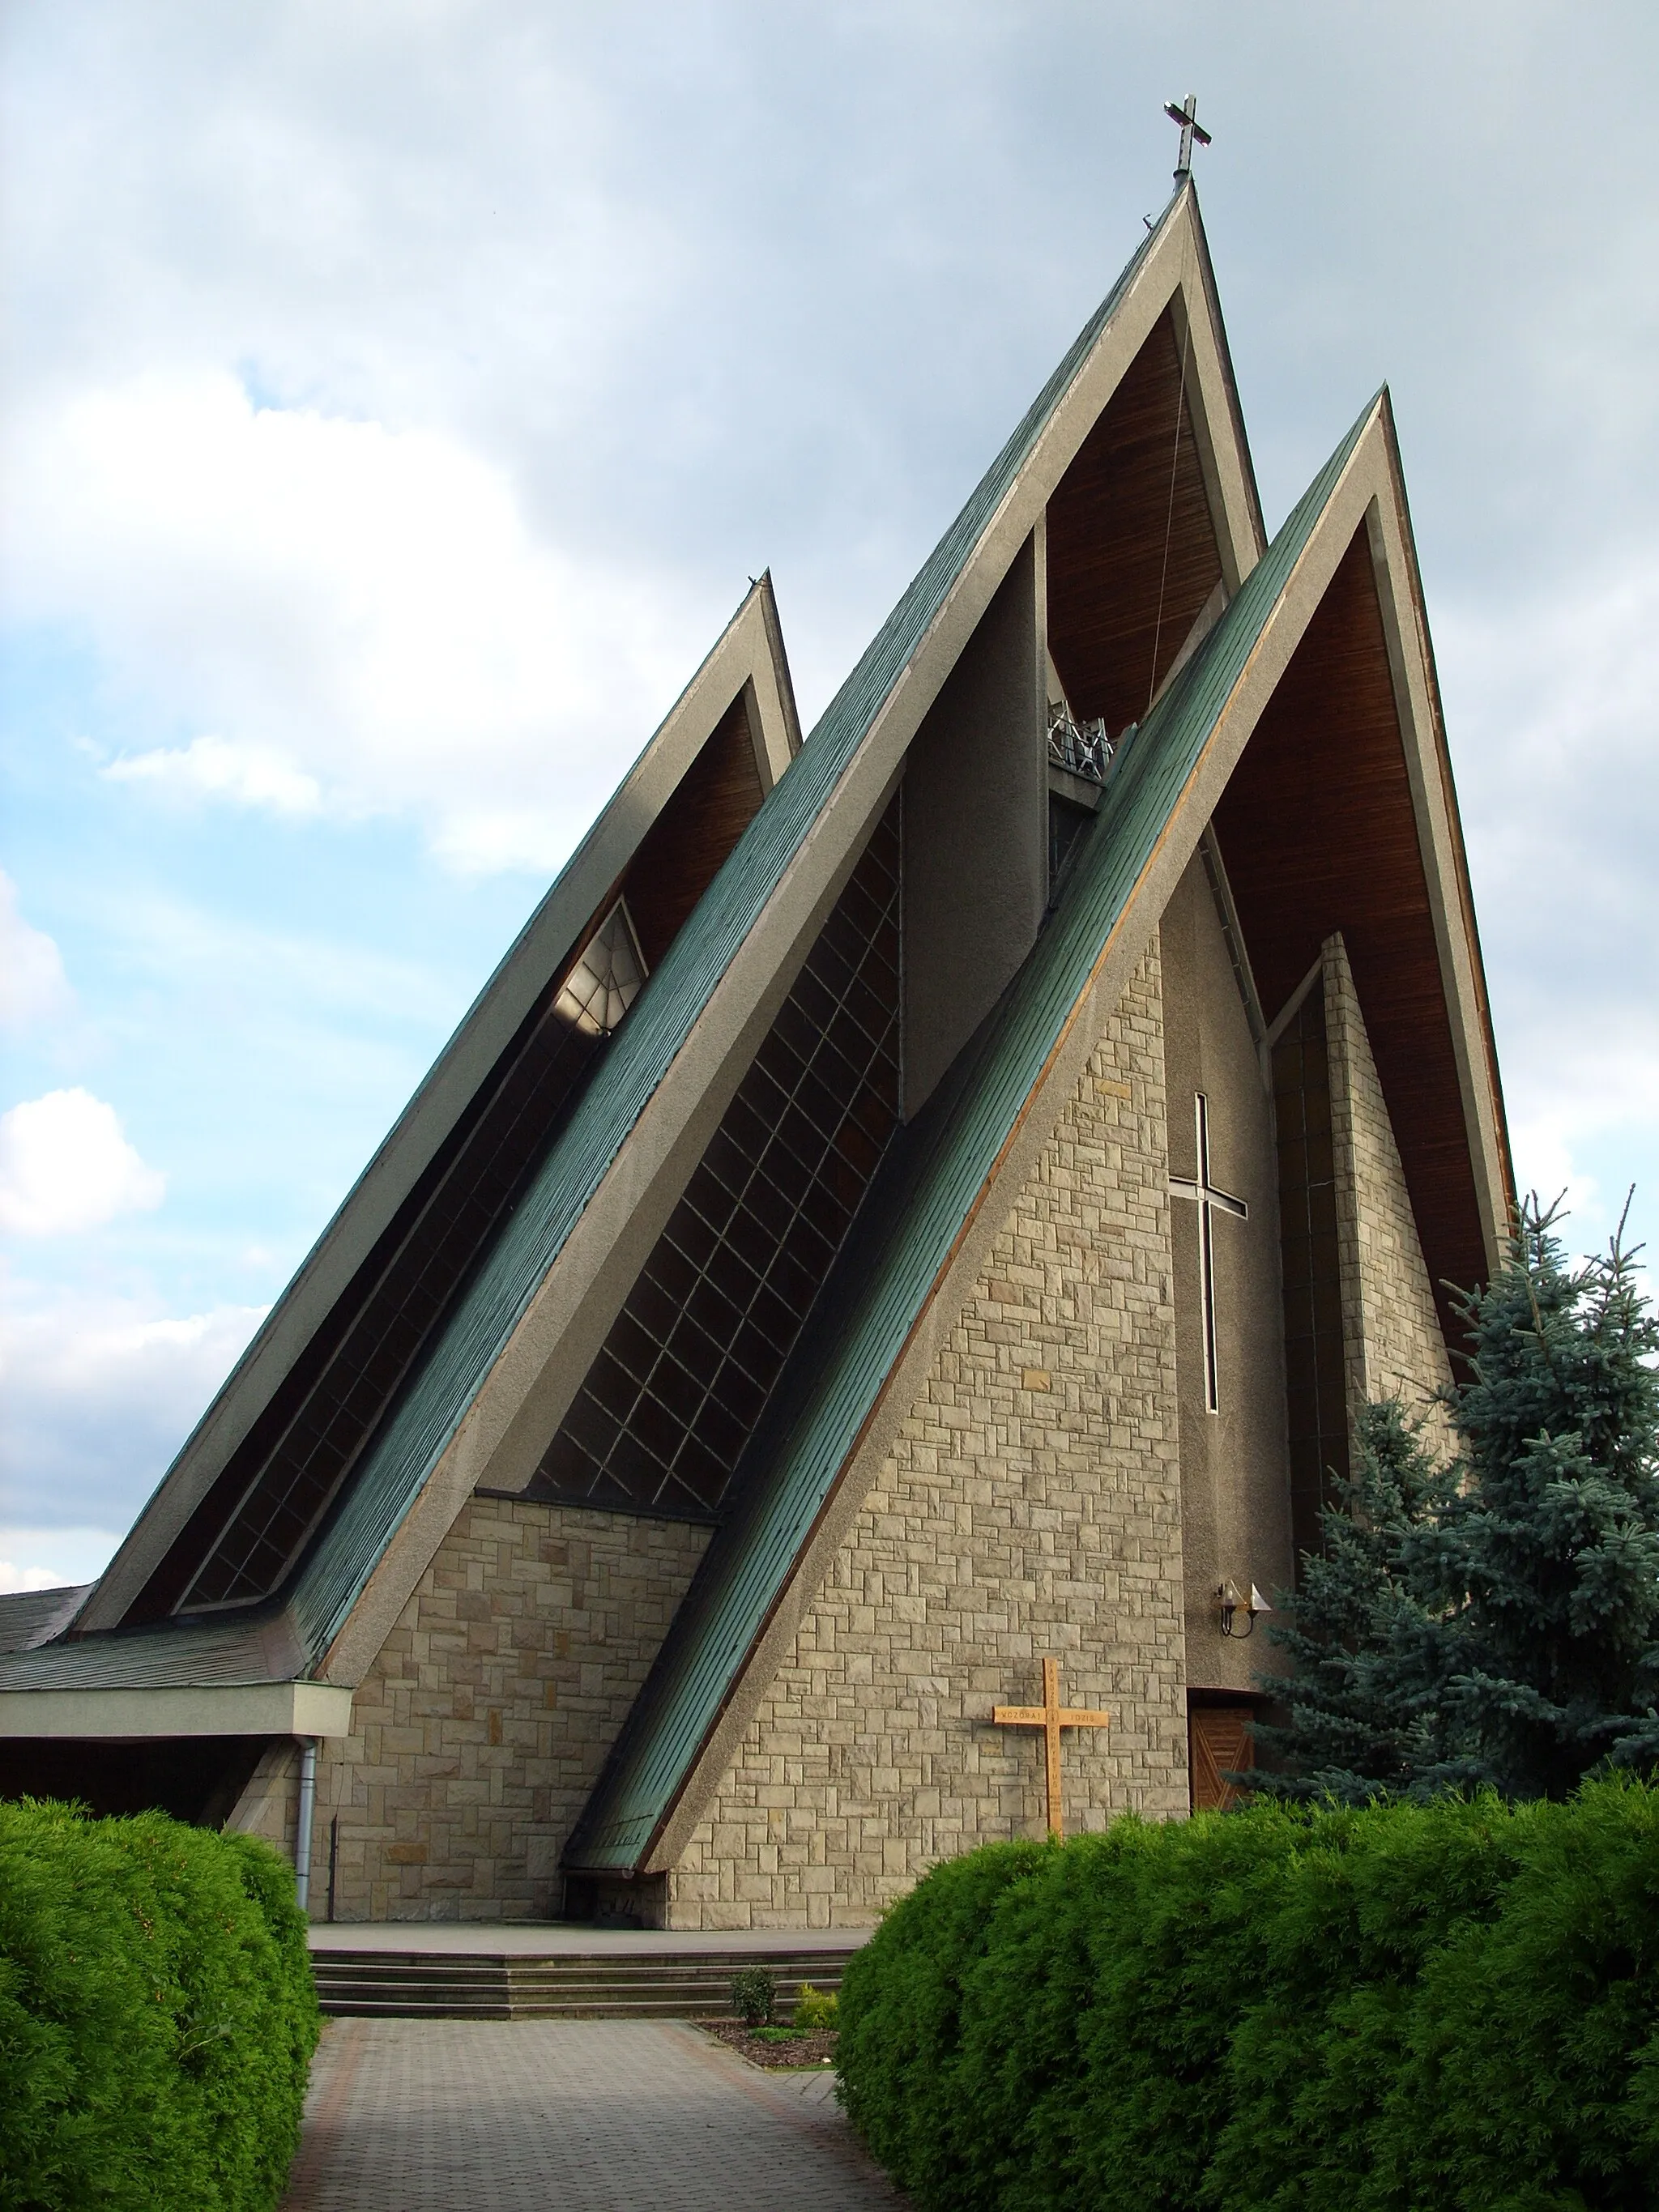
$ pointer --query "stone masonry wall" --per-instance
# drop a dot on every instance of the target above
(479, 1731)
(270, 1805)
(1030, 1507)
(1394, 1345)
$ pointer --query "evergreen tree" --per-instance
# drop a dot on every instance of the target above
(1366, 1700)
(1553, 1534)
(1495, 1621)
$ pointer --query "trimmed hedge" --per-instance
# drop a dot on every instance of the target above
(157, 2015)
(1401, 2007)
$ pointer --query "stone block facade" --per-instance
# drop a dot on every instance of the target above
(1031, 1506)
(1394, 1341)
(270, 1804)
(479, 1732)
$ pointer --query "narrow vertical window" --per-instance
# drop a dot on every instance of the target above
(1315, 1350)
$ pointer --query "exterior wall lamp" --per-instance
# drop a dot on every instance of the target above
(1232, 1605)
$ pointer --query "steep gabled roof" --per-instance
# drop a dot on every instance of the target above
(739, 708)
(527, 1319)
(934, 1183)
(538, 1309)
(489, 1390)
(931, 1212)
(529, 1315)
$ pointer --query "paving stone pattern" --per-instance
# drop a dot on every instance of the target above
(600, 2116)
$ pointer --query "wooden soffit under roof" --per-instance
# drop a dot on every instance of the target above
(1319, 833)
(1132, 551)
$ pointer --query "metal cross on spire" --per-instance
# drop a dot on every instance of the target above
(1191, 128)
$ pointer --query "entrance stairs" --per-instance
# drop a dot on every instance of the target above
(654, 1984)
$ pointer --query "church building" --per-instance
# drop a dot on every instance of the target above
(894, 1251)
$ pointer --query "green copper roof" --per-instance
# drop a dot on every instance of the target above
(749, 1562)
(399, 1462)
(199, 1654)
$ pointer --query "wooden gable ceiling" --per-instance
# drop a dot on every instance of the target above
(1318, 832)
(1133, 554)
(716, 800)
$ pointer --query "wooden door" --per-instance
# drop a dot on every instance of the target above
(1219, 1743)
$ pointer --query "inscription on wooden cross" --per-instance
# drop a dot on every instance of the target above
(1050, 1717)
(1210, 1201)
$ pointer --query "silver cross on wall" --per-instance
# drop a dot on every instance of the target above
(1191, 128)
(1209, 1201)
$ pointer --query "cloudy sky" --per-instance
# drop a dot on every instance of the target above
(400, 394)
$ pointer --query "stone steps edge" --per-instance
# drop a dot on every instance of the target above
(429, 1993)
(576, 1972)
(566, 1992)
(605, 1980)
(365, 2011)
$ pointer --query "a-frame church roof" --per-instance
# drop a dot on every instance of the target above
(1161, 791)
(1284, 695)
(676, 814)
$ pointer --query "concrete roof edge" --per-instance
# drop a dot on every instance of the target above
(1229, 377)
(1445, 856)
(278, 1709)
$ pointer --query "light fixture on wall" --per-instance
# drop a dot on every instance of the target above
(1232, 1605)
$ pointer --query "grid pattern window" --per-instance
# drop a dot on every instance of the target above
(675, 1392)
(303, 1455)
(606, 979)
(1315, 1350)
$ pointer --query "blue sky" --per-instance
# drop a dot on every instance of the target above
(398, 399)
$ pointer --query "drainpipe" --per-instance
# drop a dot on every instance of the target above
(307, 1805)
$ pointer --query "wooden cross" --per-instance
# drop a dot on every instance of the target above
(1191, 128)
(1210, 1201)
(1050, 1717)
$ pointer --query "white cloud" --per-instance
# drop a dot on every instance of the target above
(96, 1395)
(1552, 709)
(359, 615)
(65, 1165)
(14, 1578)
(54, 1557)
(33, 985)
(248, 774)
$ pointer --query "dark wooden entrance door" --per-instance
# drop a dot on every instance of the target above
(1219, 1743)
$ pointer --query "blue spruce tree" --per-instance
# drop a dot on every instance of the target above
(1495, 1621)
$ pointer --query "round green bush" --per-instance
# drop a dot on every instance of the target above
(157, 2015)
(1404, 2007)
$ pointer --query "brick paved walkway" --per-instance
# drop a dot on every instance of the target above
(568, 2115)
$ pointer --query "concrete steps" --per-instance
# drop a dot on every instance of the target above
(563, 1985)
